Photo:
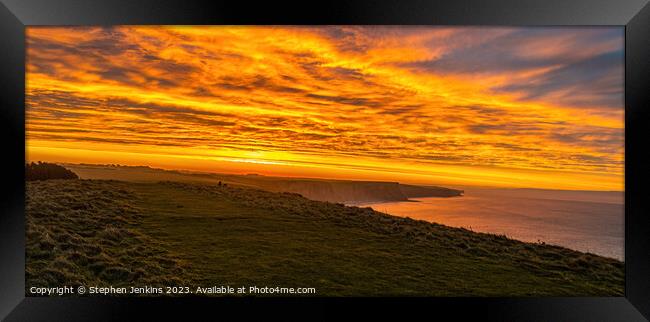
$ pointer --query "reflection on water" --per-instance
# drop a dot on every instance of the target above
(581, 220)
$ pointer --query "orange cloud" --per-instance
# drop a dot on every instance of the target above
(408, 104)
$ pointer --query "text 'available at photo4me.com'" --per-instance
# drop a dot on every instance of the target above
(170, 290)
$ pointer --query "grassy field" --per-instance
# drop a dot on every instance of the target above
(96, 232)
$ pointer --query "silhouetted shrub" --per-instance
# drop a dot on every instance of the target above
(46, 171)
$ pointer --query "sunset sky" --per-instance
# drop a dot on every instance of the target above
(507, 107)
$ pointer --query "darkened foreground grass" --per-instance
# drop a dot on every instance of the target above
(89, 233)
(173, 234)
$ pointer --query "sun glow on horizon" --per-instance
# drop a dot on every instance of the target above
(507, 107)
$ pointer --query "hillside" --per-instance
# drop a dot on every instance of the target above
(345, 191)
(97, 232)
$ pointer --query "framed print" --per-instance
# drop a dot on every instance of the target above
(168, 159)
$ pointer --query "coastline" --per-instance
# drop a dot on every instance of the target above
(252, 230)
(583, 225)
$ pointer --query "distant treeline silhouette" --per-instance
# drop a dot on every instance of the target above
(46, 171)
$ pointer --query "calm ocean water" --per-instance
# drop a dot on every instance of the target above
(587, 221)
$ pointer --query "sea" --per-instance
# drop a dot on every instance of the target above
(587, 221)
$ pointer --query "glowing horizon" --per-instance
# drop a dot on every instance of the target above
(506, 107)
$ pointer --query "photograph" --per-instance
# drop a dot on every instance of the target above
(324, 161)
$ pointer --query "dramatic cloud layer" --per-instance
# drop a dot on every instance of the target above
(540, 107)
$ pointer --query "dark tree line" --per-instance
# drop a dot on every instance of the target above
(46, 171)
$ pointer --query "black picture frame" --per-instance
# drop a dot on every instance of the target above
(15, 15)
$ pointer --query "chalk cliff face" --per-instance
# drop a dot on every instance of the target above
(412, 191)
(343, 191)
(358, 191)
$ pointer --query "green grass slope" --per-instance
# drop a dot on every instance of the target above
(95, 232)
